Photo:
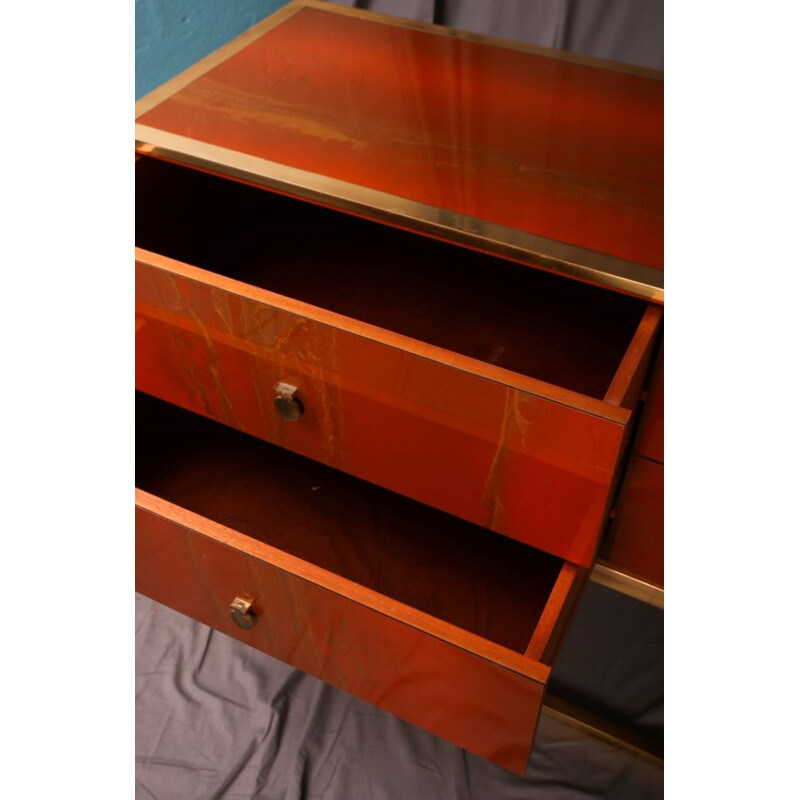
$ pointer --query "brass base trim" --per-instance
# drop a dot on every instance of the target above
(610, 732)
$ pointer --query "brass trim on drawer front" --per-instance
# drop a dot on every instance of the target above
(606, 730)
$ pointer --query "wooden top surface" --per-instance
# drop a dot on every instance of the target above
(529, 142)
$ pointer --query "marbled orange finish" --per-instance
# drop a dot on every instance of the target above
(526, 447)
(532, 468)
(483, 698)
(559, 149)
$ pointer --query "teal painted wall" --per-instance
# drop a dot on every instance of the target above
(171, 35)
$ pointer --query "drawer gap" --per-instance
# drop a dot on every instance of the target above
(531, 322)
(454, 570)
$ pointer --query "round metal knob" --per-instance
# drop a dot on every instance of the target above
(287, 403)
(241, 612)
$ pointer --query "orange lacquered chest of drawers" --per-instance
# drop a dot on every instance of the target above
(398, 293)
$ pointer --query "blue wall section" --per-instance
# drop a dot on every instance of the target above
(171, 35)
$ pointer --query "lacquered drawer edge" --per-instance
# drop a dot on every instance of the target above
(481, 696)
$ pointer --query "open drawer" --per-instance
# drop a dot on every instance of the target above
(427, 616)
(493, 391)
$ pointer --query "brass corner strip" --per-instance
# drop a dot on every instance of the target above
(576, 262)
(624, 583)
(484, 38)
(183, 79)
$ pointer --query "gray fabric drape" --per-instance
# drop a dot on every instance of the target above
(631, 31)
(217, 719)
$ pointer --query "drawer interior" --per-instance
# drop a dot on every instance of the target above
(537, 324)
(484, 583)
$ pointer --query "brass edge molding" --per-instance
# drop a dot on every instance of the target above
(192, 73)
(599, 727)
(612, 578)
(560, 257)
(483, 38)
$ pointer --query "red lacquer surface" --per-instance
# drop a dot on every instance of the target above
(563, 150)
(533, 469)
(651, 444)
(470, 700)
(638, 545)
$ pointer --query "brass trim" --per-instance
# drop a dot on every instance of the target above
(560, 257)
(625, 583)
(485, 38)
(183, 79)
(612, 733)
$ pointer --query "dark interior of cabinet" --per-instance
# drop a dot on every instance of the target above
(452, 569)
(522, 319)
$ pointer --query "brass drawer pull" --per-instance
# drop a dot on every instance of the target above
(287, 403)
(240, 610)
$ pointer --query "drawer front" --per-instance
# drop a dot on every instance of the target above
(449, 689)
(536, 470)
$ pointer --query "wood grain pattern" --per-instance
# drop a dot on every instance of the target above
(438, 120)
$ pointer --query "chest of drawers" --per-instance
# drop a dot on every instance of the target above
(398, 293)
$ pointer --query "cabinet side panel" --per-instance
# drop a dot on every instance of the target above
(651, 444)
(638, 545)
